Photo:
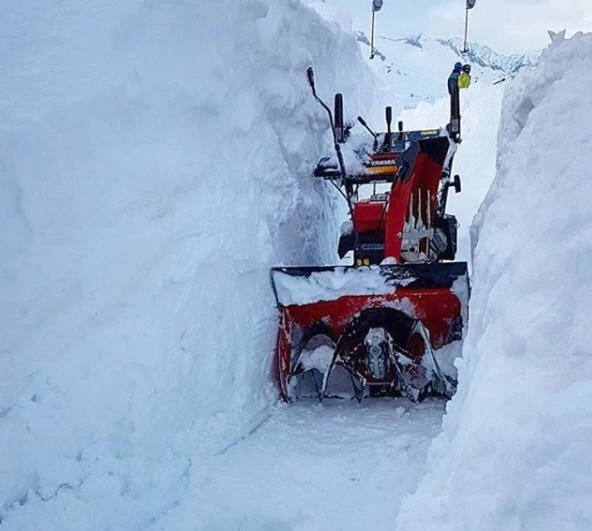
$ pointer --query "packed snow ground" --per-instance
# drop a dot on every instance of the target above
(311, 467)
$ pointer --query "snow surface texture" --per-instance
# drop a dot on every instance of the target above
(155, 161)
(313, 468)
(330, 285)
(515, 450)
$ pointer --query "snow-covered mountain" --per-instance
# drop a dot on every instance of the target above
(476, 54)
(486, 57)
(416, 67)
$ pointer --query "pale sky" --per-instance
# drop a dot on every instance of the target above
(506, 25)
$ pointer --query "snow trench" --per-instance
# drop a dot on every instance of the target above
(514, 452)
(155, 161)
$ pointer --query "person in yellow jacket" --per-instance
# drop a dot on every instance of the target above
(464, 79)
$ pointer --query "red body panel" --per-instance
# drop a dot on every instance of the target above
(422, 184)
(396, 215)
(370, 215)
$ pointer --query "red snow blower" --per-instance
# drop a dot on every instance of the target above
(390, 324)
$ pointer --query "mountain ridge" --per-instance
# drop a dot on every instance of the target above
(478, 54)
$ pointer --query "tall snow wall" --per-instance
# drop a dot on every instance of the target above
(514, 453)
(155, 161)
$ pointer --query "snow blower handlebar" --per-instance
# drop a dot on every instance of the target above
(349, 189)
(342, 173)
(311, 82)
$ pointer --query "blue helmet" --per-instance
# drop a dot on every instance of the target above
(458, 67)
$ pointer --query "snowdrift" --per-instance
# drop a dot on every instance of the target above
(515, 448)
(155, 161)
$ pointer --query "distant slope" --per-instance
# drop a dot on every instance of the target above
(486, 57)
(416, 67)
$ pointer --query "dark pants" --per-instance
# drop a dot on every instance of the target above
(454, 127)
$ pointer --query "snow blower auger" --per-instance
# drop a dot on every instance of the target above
(390, 324)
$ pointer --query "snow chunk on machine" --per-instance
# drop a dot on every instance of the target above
(389, 324)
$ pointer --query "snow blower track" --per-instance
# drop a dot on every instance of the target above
(339, 465)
